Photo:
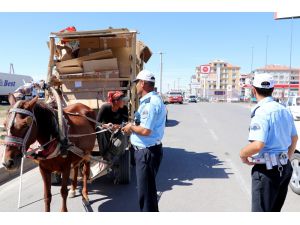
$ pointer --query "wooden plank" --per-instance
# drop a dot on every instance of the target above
(96, 90)
(105, 74)
(51, 58)
(134, 98)
(107, 32)
(97, 79)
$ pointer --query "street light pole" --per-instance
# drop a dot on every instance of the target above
(291, 46)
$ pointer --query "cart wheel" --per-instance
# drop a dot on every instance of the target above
(55, 178)
(124, 168)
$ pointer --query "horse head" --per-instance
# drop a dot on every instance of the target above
(21, 130)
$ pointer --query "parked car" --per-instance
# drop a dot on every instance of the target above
(192, 98)
(293, 104)
(175, 97)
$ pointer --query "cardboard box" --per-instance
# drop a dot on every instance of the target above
(87, 51)
(78, 61)
(124, 60)
(93, 42)
(105, 42)
(100, 65)
(143, 51)
(70, 69)
(115, 42)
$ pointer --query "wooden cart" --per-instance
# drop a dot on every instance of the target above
(85, 65)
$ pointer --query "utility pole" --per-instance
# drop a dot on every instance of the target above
(291, 46)
(161, 68)
(251, 71)
(251, 59)
(178, 87)
(267, 42)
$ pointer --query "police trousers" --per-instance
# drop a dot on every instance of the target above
(147, 164)
(269, 189)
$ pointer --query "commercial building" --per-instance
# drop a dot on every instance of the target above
(285, 79)
(222, 83)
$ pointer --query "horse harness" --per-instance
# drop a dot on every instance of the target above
(55, 145)
(18, 142)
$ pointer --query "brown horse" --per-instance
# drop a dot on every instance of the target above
(31, 120)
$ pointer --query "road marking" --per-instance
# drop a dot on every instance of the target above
(238, 176)
(213, 134)
(204, 120)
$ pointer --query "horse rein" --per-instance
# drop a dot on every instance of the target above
(18, 142)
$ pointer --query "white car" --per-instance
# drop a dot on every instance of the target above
(293, 104)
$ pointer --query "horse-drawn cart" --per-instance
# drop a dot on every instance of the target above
(85, 65)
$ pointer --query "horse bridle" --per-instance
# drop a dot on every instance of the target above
(18, 142)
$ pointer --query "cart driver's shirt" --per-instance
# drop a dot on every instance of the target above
(151, 115)
(106, 115)
(273, 125)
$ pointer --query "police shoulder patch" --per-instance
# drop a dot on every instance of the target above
(255, 127)
(145, 112)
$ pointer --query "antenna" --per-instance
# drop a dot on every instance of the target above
(11, 69)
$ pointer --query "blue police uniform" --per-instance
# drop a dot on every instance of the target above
(273, 125)
(148, 153)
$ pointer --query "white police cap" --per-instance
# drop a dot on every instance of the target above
(263, 80)
(145, 75)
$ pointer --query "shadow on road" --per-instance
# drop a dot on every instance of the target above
(181, 167)
(172, 123)
(178, 167)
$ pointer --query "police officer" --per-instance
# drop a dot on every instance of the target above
(273, 138)
(146, 135)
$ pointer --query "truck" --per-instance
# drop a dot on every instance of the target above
(10, 82)
(85, 65)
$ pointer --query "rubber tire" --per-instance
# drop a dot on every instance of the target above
(295, 161)
(124, 168)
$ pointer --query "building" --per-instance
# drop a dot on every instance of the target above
(221, 83)
(283, 76)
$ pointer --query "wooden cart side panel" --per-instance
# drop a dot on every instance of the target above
(133, 98)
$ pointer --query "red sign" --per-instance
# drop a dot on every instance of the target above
(205, 69)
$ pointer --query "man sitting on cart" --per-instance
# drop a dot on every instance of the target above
(112, 115)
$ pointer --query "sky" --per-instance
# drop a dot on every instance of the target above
(186, 39)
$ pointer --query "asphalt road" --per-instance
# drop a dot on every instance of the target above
(201, 170)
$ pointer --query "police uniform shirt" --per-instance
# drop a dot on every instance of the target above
(152, 116)
(273, 125)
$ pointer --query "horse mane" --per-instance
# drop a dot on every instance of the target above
(46, 119)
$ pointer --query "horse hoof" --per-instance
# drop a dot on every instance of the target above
(86, 201)
(71, 193)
